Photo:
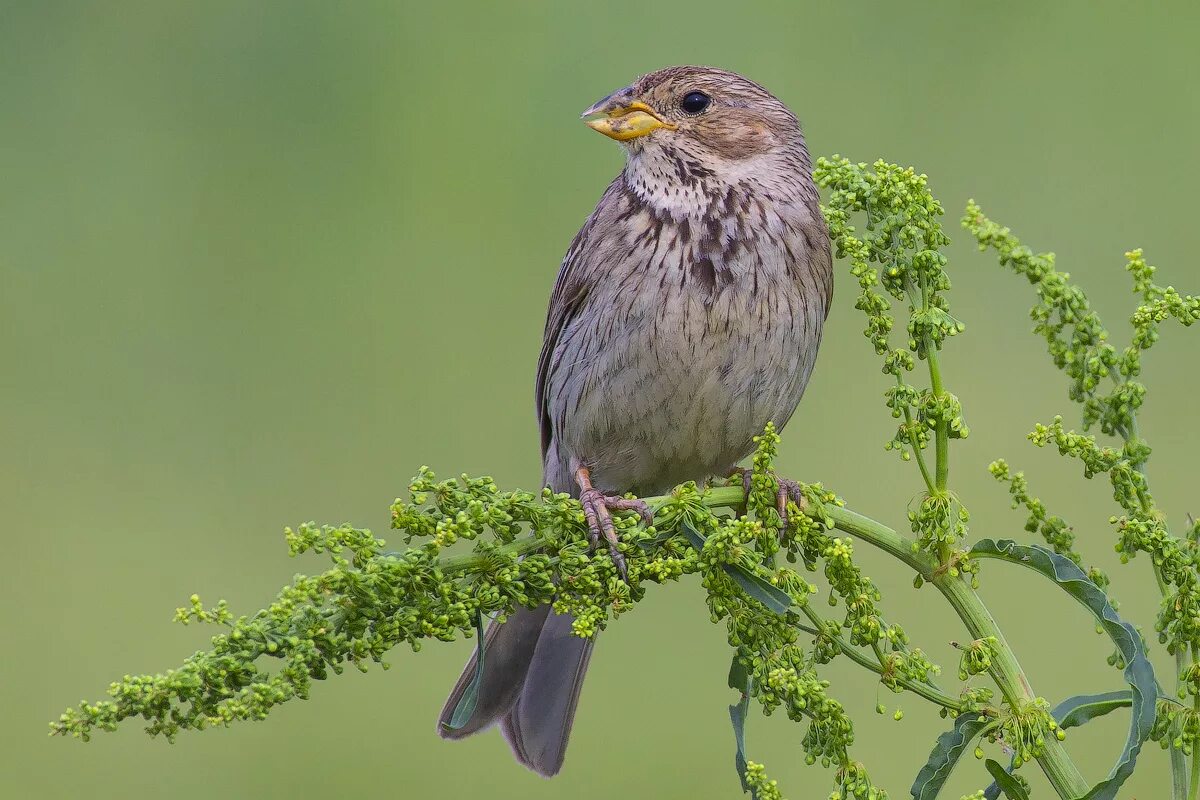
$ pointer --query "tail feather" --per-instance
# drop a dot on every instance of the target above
(539, 724)
(508, 649)
(533, 671)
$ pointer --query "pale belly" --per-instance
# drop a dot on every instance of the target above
(674, 386)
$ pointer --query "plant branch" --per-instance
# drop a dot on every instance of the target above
(930, 693)
(1182, 784)
(917, 451)
(942, 428)
(1006, 672)
(942, 431)
(1010, 679)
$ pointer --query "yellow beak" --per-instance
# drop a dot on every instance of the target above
(624, 118)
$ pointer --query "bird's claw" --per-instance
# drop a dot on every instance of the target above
(788, 490)
(596, 508)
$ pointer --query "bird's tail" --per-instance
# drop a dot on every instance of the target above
(533, 669)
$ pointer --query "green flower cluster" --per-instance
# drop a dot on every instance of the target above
(1176, 726)
(1022, 730)
(808, 540)
(759, 785)
(855, 783)
(372, 600)
(1053, 529)
(903, 235)
(897, 256)
(1056, 533)
(1079, 345)
(976, 658)
(1104, 381)
(1025, 730)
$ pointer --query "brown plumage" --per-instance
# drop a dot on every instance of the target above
(686, 315)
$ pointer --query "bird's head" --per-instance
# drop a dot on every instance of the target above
(713, 116)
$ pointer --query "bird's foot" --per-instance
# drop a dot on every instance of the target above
(788, 490)
(596, 509)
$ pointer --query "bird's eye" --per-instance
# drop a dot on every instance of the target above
(695, 102)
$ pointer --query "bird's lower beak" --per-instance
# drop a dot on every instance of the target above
(624, 117)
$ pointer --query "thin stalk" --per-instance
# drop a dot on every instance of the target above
(929, 482)
(930, 693)
(942, 430)
(918, 453)
(1181, 786)
(1194, 784)
(941, 427)
(470, 561)
(1179, 770)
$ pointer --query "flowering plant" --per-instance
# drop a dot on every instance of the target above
(762, 566)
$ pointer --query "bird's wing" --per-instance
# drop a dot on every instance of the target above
(576, 276)
(820, 260)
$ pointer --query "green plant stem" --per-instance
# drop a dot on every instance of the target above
(942, 430)
(941, 427)
(917, 452)
(1181, 786)
(1006, 671)
(1179, 769)
(1179, 774)
(470, 561)
(1194, 784)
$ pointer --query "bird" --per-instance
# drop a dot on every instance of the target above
(687, 314)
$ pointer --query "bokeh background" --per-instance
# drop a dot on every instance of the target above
(260, 261)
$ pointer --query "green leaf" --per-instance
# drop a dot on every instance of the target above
(1011, 787)
(1138, 672)
(760, 589)
(751, 583)
(739, 676)
(1075, 711)
(740, 680)
(466, 705)
(694, 537)
(947, 750)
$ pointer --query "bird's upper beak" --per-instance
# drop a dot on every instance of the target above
(625, 117)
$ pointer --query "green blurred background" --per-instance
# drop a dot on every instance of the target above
(260, 261)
